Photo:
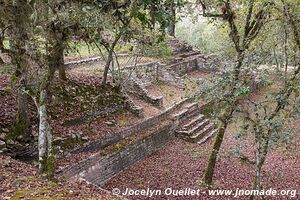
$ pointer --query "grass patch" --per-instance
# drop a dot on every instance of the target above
(81, 49)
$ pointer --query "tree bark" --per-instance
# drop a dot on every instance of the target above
(110, 57)
(61, 63)
(107, 65)
(250, 32)
(56, 49)
(171, 28)
(45, 136)
(261, 154)
(210, 167)
(22, 125)
(19, 36)
(209, 171)
(1, 48)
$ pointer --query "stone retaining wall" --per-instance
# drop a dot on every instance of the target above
(89, 60)
(99, 170)
(132, 86)
(184, 67)
(146, 74)
(116, 137)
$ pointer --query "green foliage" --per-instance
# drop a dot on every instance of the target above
(242, 91)
(159, 50)
(209, 38)
(118, 147)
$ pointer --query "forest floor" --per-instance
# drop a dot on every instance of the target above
(19, 180)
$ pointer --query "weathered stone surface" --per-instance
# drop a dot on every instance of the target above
(184, 67)
(132, 86)
(2, 144)
(116, 137)
(195, 128)
(178, 46)
(101, 113)
(99, 169)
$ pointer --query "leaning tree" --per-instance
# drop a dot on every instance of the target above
(244, 26)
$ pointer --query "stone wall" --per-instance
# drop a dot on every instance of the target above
(146, 73)
(138, 77)
(98, 169)
(89, 60)
(169, 76)
(184, 67)
(101, 113)
(127, 132)
(105, 168)
(132, 86)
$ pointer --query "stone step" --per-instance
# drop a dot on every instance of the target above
(193, 122)
(207, 137)
(187, 113)
(202, 133)
(192, 106)
(192, 114)
(192, 132)
(180, 114)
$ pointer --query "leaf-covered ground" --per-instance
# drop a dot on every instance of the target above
(181, 165)
(19, 180)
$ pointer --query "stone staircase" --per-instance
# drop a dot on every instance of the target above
(193, 126)
(178, 46)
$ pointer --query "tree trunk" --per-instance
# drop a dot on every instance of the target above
(46, 163)
(22, 130)
(262, 150)
(171, 28)
(276, 60)
(285, 54)
(61, 63)
(110, 57)
(56, 47)
(107, 65)
(19, 34)
(1, 48)
(209, 171)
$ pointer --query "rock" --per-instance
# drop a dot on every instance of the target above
(10, 142)
(58, 140)
(34, 133)
(2, 136)
(78, 136)
(20, 138)
(5, 130)
(2, 144)
(110, 123)
(73, 136)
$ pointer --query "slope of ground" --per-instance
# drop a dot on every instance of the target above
(181, 165)
(22, 181)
